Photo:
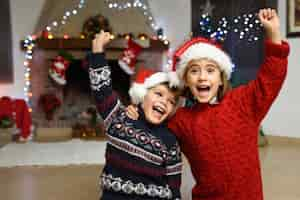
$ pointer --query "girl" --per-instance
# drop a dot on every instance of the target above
(143, 158)
(218, 134)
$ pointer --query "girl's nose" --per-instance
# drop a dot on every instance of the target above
(202, 76)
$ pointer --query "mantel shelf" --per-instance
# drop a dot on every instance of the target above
(85, 44)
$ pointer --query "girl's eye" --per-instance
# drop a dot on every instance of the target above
(193, 71)
(210, 70)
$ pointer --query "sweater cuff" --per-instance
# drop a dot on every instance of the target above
(278, 50)
(97, 59)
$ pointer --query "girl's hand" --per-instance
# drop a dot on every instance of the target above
(132, 112)
(101, 39)
(270, 20)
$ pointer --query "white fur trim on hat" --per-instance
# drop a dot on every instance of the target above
(204, 50)
(138, 91)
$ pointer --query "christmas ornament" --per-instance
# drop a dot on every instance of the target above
(129, 57)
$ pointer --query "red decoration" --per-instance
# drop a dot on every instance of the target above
(49, 103)
(58, 70)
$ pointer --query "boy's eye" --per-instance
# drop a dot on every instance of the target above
(171, 101)
(158, 94)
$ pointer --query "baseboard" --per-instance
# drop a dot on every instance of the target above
(282, 140)
(53, 134)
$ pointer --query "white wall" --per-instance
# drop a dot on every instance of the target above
(24, 15)
(174, 15)
(284, 116)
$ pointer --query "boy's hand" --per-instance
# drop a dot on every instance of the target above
(270, 20)
(101, 39)
(131, 112)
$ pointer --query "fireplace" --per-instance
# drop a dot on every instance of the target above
(76, 96)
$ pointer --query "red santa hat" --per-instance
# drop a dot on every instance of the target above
(57, 70)
(129, 57)
(198, 48)
(146, 79)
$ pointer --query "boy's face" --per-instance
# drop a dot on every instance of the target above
(158, 104)
(203, 78)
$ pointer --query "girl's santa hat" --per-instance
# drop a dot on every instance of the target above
(146, 79)
(198, 48)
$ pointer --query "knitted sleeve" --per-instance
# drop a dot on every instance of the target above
(256, 98)
(173, 171)
(107, 102)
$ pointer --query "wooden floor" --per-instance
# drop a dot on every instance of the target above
(49, 183)
(280, 168)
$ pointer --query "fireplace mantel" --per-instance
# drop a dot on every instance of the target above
(85, 44)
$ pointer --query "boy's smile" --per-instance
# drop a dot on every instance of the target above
(158, 104)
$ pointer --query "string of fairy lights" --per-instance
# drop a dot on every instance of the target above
(29, 44)
(145, 10)
(247, 26)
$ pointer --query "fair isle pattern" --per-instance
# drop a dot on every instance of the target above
(108, 120)
(115, 159)
(99, 77)
(174, 169)
(117, 184)
(124, 130)
(134, 150)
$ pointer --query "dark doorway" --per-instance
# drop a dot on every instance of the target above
(247, 56)
(6, 68)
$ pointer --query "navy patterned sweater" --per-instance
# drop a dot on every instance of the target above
(143, 161)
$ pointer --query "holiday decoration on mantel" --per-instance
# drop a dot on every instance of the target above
(58, 68)
(129, 56)
(49, 103)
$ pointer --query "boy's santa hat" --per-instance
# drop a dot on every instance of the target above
(198, 48)
(146, 79)
(129, 56)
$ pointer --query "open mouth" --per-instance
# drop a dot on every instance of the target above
(203, 88)
(158, 109)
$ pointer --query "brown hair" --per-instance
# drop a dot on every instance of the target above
(223, 89)
(175, 90)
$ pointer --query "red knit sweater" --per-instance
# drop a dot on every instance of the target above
(220, 141)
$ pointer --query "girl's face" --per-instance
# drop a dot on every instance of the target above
(203, 78)
(158, 104)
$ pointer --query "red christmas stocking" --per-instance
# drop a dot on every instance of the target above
(57, 70)
(129, 56)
